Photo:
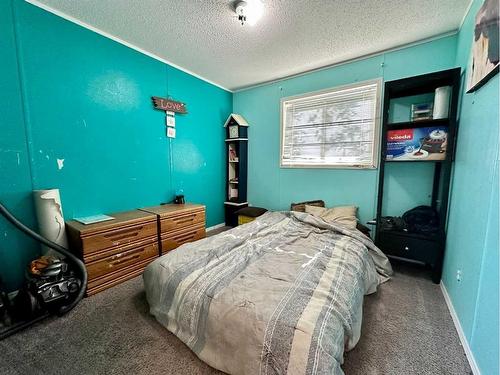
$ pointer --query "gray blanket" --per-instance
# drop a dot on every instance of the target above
(282, 294)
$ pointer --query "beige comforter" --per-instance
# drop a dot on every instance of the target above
(282, 294)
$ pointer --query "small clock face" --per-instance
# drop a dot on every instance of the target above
(233, 131)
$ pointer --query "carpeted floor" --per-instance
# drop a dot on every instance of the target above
(407, 330)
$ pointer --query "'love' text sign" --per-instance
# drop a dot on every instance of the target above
(169, 105)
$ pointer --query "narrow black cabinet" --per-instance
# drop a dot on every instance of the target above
(419, 126)
(236, 144)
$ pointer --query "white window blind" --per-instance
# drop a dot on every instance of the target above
(333, 128)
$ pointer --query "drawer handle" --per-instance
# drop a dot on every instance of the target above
(185, 220)
(407, 248)
(129, 252)
(122, 234)
(179, 239)
(124, 260)
(186, 237)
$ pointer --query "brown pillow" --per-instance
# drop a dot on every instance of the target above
(344, 215)
(301, 206)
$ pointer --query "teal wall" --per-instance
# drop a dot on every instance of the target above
(72, 94)
(15, 174)
(472, 244)
(273, 187)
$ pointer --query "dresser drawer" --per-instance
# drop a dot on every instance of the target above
(422, 250)
(182, 221)
(125, 258)
(172, 240)
(118, 237)
(98, 284)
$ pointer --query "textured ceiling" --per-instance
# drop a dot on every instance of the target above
(205, 38)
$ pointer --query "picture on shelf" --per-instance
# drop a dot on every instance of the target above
(232, 154)
(484, 62)
(233, 194)
(417, 144)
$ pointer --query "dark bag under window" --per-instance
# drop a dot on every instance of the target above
(422, 219)
(393, 223)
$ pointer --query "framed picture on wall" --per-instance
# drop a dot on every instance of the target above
(484, 62)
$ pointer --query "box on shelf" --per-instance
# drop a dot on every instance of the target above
(417, 144)
(422, 111)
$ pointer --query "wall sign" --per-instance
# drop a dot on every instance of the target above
(168, 105)
(171, 132)
(170, 121)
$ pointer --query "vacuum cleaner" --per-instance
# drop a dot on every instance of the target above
(52, 286)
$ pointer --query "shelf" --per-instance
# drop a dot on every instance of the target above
(447, 160)
(403, 92)
(236, 164)
(423, 247)
(422, 84)
(418, 124)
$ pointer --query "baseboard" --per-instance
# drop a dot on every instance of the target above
(460, 331)
(216, 227)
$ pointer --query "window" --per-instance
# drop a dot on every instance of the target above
(336, 128)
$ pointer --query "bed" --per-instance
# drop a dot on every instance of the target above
(282, 294)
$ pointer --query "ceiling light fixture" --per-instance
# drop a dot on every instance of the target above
(249, 11)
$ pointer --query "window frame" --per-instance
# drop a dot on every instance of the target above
(376, 130)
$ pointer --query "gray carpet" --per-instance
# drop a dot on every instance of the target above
(407, 330)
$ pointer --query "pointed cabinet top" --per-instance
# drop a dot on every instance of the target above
(235, 119)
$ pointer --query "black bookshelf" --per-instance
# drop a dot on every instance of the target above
(423, 248)
(236, 143)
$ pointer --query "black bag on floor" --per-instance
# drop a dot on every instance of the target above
(422, 219)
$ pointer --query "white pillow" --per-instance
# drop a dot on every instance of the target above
(343, 215)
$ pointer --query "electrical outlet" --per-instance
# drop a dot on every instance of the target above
(459, 275)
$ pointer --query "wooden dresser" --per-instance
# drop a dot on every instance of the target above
(178, 224)
(115, 250)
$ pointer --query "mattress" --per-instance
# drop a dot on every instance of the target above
(282, 294)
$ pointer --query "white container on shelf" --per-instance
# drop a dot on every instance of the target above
(442, 102)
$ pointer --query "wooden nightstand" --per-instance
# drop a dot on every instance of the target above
(178, 224)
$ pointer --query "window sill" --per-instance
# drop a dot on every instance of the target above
(327, 166)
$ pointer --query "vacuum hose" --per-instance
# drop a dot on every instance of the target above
(56, 247)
